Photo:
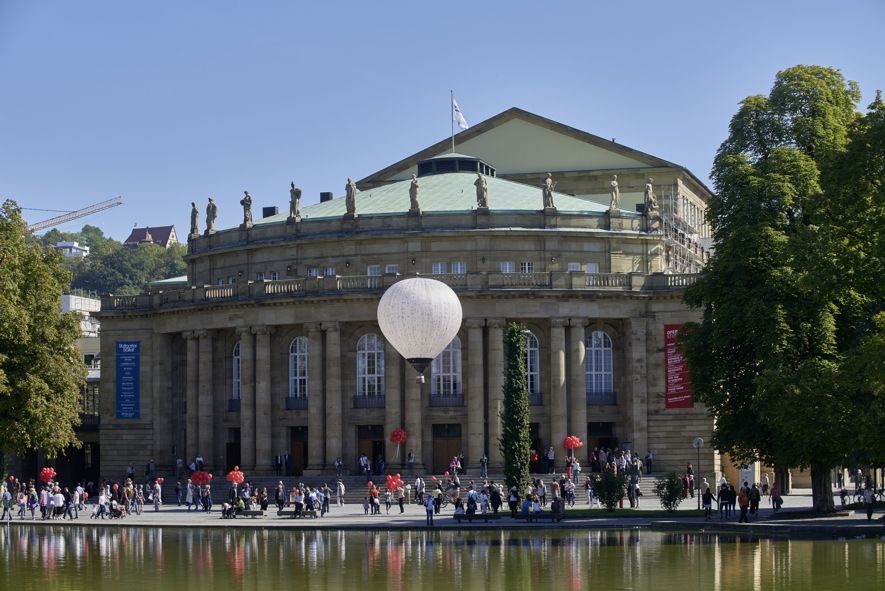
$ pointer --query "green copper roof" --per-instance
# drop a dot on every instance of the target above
(450, 192)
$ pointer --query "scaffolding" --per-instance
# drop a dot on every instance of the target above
(682, 231)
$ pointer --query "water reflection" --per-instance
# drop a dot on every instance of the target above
(59, 557)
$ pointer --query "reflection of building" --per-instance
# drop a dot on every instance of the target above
(161, 235)
(271, 344)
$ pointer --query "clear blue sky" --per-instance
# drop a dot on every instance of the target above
(168, 102)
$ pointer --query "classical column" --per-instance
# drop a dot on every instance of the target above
(558, 404)
(192, 425)
(393, 416)
(205, 405)
(315, 400)
(334, 416)
(638, 372)
(475, 393)
(162, 399)
(414, 423)
(577, 381)
(495, 373)
(263, 428)
(247, 398)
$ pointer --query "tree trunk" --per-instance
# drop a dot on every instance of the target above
(821, 489)
(782, 479)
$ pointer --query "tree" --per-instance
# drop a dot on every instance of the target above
(767, 357)
(669, 489)
(515, 437)
(40, 369)
(610, 488)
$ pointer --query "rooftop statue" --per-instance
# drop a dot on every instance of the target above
(482, 192)
(211, 214)
(195, 215)
(246, 202)
(413, 195)
(547, 189)
(294, 202)
(652, 214)
(350, 191)
(616, 194)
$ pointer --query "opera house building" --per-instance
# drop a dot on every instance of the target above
(270, 345)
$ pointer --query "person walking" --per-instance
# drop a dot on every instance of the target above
(429, 507)
(7, 505)
(744, 504)
(707, 501)
(339, 493)
(868, 501)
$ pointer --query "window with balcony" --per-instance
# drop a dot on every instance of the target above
(313, 272)
(370, 366)
(274, 275)
(393, 269)
(259, 276)
(459, 267)
(445, 376)
(507, 267)
(591, 268)
(329, 272)
(298, 363)
(374, 273)
(599, 370)
(526, 267)
(439, 268)
(573, 267)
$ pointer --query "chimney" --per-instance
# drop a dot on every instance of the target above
(326, 196)
(266, 212)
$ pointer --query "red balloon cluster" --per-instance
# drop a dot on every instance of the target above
(572, 442)
(201, 477)
(236, 476)
(399, 435)
(47, 474)
(394, 482)
(161, 480)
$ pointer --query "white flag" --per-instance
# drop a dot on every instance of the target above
(458, 115)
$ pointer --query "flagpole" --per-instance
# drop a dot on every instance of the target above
(452, 107)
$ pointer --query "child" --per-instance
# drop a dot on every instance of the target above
(388, 500)
(366, 505)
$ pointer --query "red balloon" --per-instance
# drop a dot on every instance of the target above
(115, 487)
(370, 484)
(446, 473)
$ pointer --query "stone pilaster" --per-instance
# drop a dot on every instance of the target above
(393, 415)
(263, 426)
(334, 415)
(577, 381)
(247, 398)
(638, 372)
(161, 367)
(414, 417)
(192, 428)
(495, 374)
(205, 405)
(475, 394)
(316, 459)
(557, 405)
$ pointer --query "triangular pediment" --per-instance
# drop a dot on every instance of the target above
(518, 142)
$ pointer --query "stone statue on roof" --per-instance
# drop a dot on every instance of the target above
(652, 214)
(616, 194)
(482, 192)
(547, 189)
(413, 195)
(211, 214)
(294, 202)
(195, 215)
(350, 192)
(246, 202)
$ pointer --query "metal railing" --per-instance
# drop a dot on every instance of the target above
(602, 398)
(293, 403)
(447, 400)
(368, 401)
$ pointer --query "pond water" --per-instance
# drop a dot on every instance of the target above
(131, 559)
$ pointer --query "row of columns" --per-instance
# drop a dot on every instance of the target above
(404, 406)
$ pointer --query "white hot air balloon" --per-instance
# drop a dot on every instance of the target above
(419, 317)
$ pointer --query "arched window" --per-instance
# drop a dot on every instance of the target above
(533, 364)
(370, 366)
(598, 363)
(298, 368)
(235, 374)
(445, 371)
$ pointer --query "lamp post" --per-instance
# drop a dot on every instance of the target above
(698, 444)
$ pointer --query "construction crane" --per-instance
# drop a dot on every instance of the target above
(73, 215)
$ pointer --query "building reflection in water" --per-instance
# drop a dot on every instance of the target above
(74, 557)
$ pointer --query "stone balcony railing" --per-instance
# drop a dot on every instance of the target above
(460, 282)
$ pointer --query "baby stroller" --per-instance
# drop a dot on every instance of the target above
(116, 510)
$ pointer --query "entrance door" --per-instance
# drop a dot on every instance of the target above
(601, 435)
(535, 437)
(232, 449)
(370, 441)
(446, 445)
(298, 453)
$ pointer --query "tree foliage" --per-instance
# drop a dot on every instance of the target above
(788, 294)
(669, 490)
(40, 368)
(515, 436)
(610, 488)
(114, 268)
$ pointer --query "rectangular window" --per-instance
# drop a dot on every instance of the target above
(259, 276)
(329, 272)
(313, 272)
(591, 268)
(526, 267)
(574, 267)
(231, 280)
(391, 269)
(439, 268)
(274, 275)
(508, 267)
(459, 267)
(374, 273)
(373, 270)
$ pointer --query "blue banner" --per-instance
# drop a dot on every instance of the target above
(128, 357)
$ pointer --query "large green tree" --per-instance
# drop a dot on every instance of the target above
(768, 359)
(515, 437)
(40, 368)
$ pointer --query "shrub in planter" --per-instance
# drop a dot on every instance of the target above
(669, 490)
(610, 488)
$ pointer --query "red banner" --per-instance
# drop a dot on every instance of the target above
(678, 393)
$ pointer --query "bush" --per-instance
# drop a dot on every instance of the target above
(669, 490)
(610, 488)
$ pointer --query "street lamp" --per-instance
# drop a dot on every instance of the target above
(698, 444)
